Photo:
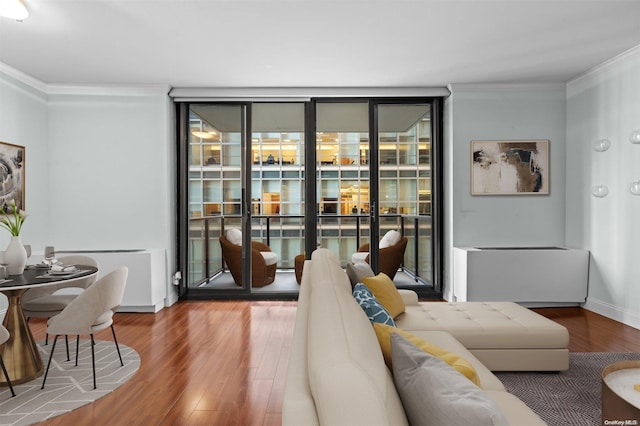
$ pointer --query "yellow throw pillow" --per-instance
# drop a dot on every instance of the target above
(383, 332)
(386, 292)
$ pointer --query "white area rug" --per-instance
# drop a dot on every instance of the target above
(68, 387)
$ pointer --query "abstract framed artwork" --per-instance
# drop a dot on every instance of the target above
(11, 175)
(510, 167)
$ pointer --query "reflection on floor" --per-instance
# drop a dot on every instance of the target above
(286, 282)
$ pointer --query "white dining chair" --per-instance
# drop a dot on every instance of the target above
(4, 336)
(45, 302)
(91, 311)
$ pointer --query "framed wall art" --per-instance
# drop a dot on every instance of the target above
(510, 167)
(11, 175)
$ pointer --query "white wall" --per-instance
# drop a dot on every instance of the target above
(24, 121)
(109, 180)
(605, 103)
(505, 112)
(100, 167)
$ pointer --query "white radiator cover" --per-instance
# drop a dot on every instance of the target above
(533, 276)
(146, 288)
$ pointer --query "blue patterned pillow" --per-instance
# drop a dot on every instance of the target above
(368, 302)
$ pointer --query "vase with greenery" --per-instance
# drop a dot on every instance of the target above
(15, 256)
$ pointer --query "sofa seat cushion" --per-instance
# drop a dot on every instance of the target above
(488, 380)
(433, 393)
(486, 325)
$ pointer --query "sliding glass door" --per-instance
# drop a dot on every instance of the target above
(249, 170)
(217, 141)
(405, 162)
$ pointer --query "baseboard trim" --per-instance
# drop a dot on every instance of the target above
(625, 316)
(141, 308)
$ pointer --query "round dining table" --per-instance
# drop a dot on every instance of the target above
(20, 353)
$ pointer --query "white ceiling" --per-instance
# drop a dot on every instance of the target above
(315, 43)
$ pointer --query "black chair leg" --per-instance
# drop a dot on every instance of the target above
(53, 348)
(93, 361)
(6, 376)
(113, 331)
(77, 346)
(66, 341)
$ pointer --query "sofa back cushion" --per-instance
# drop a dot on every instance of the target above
(348, 379)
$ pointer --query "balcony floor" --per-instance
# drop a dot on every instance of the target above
(285, 282)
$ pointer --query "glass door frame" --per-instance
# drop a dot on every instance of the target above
(437, 184)
(182, 213)
(310, 188)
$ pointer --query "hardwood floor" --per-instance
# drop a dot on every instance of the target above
(224, 362)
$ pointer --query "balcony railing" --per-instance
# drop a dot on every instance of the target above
(285, 234)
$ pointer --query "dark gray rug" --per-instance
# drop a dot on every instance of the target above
(570, 397)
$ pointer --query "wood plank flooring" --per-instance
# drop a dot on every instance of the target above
(224, 362)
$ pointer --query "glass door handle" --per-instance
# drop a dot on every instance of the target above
(372, 213)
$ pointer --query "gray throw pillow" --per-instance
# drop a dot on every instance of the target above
(357, 271)
(433, 393)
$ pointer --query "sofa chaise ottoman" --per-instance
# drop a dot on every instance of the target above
(504, 336)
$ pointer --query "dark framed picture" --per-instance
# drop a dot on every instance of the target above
(11, 175)
(510, 167)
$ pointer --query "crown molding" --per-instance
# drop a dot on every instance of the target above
(299, 93)
(108, 90)
(23, 78)
(502, 87)
(86, 90)
(606, 64)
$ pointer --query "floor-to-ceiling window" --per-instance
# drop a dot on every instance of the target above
(244, 166)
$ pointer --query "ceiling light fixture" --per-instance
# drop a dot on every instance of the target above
(200, 134)
(13, 9)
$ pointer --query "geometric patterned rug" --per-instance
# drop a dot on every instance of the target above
(68, 387)
(567, 398)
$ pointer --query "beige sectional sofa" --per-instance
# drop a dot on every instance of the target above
(337, 375)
